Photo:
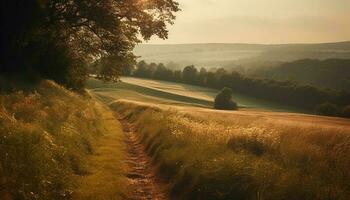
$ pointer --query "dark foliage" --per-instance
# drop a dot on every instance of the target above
(346, 111)
(328, 109)
(189, 74)
(223, 101)
(60, 39)
(163, 73)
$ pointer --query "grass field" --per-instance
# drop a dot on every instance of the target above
(208, 154)
(169, 93)
(246, 154)
(109, 92)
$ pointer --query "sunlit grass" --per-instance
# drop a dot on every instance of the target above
(107, 169)
(48, 137)
(222, 155)
(112, 91)
(206, 94)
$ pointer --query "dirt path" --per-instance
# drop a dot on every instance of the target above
(143, 179)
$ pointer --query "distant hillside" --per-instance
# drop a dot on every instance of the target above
(215, 55)
(329, 73)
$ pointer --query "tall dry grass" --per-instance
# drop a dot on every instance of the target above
(45, 136)
(205, 156)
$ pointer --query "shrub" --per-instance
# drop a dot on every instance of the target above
(328, 109)
(223, 100)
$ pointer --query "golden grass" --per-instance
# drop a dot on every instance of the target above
(47, 139)
(112, 91)
(176, 88)
(106, 169)
(245, 154)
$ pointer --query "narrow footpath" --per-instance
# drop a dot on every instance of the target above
(143, 179)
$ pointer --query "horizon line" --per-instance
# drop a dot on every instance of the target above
(291, 43)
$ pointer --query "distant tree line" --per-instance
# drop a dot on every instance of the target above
(286, 92)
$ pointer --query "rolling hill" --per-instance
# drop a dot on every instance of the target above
(209, 154)
(214, 55)
(329, 73)
(176, 94)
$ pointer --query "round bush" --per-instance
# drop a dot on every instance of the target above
(223, 100)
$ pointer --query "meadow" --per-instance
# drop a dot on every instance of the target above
(58, 144)
(246, 154)
(170, 93)
(206, 154)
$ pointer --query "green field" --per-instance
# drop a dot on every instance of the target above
(176, 94)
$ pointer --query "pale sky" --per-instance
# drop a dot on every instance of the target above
(260, 21)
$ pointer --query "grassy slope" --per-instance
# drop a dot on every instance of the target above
(108, 92)
(173, 94)
(245, 155)
(208, 154)
(55, 144)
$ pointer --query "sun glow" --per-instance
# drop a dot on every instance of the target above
(256, 21)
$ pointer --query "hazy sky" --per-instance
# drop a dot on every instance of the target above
(260, 21)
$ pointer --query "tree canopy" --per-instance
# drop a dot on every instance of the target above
(189, 73)
(59, 39)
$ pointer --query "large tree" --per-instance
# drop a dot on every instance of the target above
(58, 39)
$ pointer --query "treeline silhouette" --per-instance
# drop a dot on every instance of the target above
(286, 92)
